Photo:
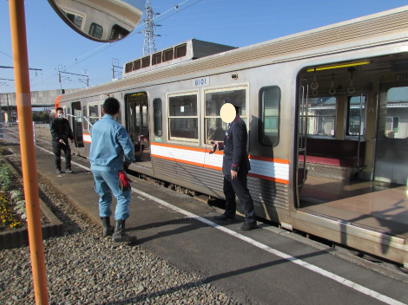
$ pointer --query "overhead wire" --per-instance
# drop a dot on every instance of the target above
(6, 54)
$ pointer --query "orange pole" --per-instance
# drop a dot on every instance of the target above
(25, 125)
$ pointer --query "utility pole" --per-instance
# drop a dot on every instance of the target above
(8, 107)
(12, 67)
(149, 45)
(61, 70)
(115, 64)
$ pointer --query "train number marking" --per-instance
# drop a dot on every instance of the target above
(201, 82)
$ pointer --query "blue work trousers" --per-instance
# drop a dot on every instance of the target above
(106, 183)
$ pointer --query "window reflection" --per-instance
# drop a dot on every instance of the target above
(269, 116)
(396, 125)
(183, 117)
(214, 126)
(356, 116)
(321, 113)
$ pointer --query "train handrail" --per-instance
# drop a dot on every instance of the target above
(303, 135)
(76, 116)
(359, 132)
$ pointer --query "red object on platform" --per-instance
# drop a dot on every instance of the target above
(124, 181)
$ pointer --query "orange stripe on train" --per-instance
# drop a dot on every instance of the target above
(220, 169)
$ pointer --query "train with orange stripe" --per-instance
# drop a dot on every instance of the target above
(327, 118)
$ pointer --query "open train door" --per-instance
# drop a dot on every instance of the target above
(137, 124)
(391, 160)
(77, 124)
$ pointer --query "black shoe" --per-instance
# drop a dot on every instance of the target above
(223, 217)
(68, 171)
(119, 235)
(249, 226)
(58, 171)
(107, 229)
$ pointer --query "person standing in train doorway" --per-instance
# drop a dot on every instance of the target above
(110, 144)
(60, 133)
(235, 166)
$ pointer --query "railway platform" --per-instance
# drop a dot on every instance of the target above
(264, 266)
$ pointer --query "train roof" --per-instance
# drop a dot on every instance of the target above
(325, 40)
(181, 52)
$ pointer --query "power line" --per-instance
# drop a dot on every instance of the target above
(6, 54)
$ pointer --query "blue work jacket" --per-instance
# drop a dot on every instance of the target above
(110, 142)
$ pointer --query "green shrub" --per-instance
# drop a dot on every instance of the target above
(5, 178)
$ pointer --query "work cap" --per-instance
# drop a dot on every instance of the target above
(232, 102)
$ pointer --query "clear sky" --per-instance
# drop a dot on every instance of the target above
(232, 22)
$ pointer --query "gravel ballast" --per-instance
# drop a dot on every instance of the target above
(85, 268)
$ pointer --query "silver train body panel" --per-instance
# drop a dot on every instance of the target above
(379, 40)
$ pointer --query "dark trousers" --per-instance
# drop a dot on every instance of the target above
(57, 146)
(238, 186)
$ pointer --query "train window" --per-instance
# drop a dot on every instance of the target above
(78, 114)
(118, 32)
(181, 51)
(137, 115)
(214, 126)
(85, 126)
(396, 125)
(168, 54)
(93, 111)
(146, 61)
(75, 19)
(144, 116)
(95, 30)
(321, 114)
(136, 64)
(355, 118)
(269, 113)
(129, 67)
(157, 117)
(183, 117)
(156, 58)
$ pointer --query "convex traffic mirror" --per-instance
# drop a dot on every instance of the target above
(100, 20)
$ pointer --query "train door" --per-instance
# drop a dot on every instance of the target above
(137, 124)
(77, 124)
(392, 144)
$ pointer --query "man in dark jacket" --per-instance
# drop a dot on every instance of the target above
(61, 132)
(235, 167)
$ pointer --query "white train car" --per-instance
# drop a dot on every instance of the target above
(327, 117)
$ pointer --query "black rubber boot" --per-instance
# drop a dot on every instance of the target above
(106, 226)
(119, 235)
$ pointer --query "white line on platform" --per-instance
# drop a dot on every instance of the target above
(323, 272)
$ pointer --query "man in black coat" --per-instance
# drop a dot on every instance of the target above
(61, 132)
(235, 167)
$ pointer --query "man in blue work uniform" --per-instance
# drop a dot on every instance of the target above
(110, 143)
(235, 167)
